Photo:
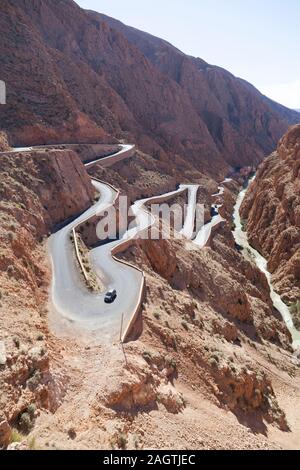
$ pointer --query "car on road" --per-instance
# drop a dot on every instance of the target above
(110, 296)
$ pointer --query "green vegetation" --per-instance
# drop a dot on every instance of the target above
(16, 436)
(25, 422)
(244, 224)
(174, 342)
(10, 270)
(32, 444)
(215, 357)
(213, 362)
(34, 380)
(26, 419)
(119, 441)
(171, 362)
(122, 441)
(295, 312)
(147, 356)
(31, 410)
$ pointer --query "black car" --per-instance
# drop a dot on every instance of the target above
(110, 297)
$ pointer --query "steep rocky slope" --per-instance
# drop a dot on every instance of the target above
(243, 124)
(3, 142)
(210, 367)
(211, 352)
(272, 211)
(37, 192)
(88, 80)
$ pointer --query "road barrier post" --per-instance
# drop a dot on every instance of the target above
(121, 330)
(121, 341)
(2, 92)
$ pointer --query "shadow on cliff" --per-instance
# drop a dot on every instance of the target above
(253, 421)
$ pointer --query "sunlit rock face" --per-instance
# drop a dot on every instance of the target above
(272, 209)
(92, 79)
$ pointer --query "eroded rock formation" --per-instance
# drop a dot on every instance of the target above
(93, 78)
(272, 211)
(37, 192)
(3, 142)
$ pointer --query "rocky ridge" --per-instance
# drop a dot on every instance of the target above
(33, 187)
(272, 214)
(91, 80)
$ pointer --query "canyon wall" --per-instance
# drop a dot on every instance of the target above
(92, 80)
(3, 142)
(244, 124)
(38, 191)
(272, 211)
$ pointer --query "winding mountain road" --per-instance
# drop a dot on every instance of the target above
(70, 296)
(188, 227)
(72, 299)
(112, 159)
(204, 233)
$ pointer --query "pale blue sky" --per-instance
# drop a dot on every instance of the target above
(255, 39)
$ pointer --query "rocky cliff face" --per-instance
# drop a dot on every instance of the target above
(243, 124)
(209, 323)
(272, 211)
(51, 185)
(37, 192)
(3, 142)
(90, 79)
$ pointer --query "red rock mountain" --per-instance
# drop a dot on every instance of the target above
(240, 120)
(75, 75)
(272, 208)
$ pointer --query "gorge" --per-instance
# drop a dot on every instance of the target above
(198, 349)
(241, 239)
